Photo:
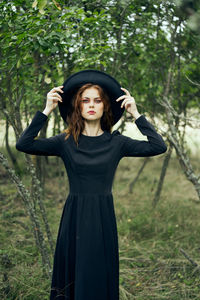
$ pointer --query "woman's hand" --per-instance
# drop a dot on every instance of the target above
(129, 104)
(52, 99)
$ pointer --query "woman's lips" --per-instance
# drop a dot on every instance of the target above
(92, 112)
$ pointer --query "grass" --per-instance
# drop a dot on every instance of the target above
(151, 264)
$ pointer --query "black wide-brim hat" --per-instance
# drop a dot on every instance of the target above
(109, 84)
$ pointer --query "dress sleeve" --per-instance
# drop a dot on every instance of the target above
(40, 146)
(139, 148)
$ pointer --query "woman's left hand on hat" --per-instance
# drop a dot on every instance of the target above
(128, 103)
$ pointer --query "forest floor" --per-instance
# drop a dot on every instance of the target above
(151, 263)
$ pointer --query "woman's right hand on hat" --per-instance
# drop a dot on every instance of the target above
(52, 98)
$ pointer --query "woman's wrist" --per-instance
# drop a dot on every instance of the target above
(136, 115)
(46, 111)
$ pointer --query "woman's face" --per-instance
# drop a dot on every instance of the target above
(91, 101)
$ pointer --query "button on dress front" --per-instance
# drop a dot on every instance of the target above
(86, 259)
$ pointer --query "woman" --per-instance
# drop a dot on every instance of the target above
(86, 261)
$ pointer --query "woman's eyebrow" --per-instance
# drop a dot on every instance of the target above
(94, 98)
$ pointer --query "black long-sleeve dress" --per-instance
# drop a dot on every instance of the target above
(86, 260)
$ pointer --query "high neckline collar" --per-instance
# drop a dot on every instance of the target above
(93, 136)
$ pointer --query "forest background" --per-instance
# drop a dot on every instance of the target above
(153, 49)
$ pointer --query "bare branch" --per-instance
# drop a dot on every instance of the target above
(195, 83)
(197, 267)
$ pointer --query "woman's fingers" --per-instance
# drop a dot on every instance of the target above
(54, 96)
(126, 91)
(126, 97)
(122, 97)
(58, 88)
(125, 102)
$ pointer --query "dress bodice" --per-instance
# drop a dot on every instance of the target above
(91, 166)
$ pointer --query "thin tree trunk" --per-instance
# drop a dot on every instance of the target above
(176, 141)
(172, 133)
(184, 161)
(35, 223)
(162, 176)
(12, 157)
(132, 183)
(36, 192)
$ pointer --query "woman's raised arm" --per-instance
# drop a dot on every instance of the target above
(154, 146)
(39, 146)
(42, 146)
(131, 147)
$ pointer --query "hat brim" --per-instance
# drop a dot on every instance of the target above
(109, 84)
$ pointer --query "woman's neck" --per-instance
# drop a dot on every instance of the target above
(99, 132)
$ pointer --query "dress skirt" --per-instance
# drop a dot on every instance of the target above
(86, 260)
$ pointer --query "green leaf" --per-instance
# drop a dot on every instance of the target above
(42, 11)
(42, 4)
(18, 63)
(34, 4)
(57, 5)
(40, 77)
(47, 80)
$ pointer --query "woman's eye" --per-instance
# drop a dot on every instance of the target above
(85, 100)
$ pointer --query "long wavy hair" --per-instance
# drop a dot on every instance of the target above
(75, 120)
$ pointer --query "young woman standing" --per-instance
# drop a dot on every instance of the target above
(86, 259)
